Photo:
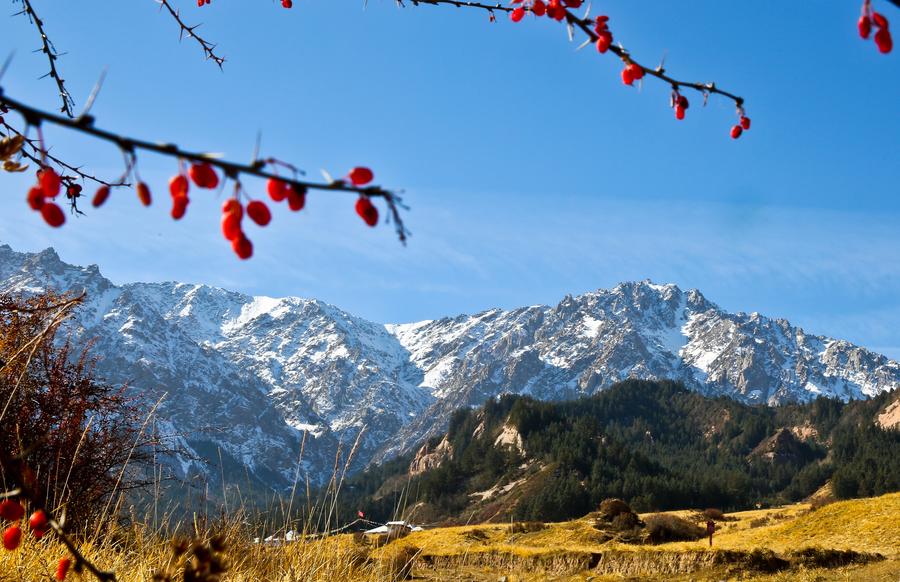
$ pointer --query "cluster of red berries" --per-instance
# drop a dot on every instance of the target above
(233, 211)
(360, 176)
(883, 39)
(742, 125)
(555, 9)
(13, 511)
(41, 195)
(604, 36)
(203, 175)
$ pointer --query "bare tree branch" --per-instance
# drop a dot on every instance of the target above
(585, 25)
(208, 48)
(128, 145)
(48, 49)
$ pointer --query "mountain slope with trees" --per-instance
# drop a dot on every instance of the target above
(655, 444)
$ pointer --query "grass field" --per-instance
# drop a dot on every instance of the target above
(573, 550)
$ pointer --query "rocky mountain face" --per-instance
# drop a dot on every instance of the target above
(250, 378)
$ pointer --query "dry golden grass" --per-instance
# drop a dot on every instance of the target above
(562, 551)
(136, 556)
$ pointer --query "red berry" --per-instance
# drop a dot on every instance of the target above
(101, 196)
(50, 182)
(259, 212)
(231, 226)
(296, 200)
(143, 192)
(242, 247)
(204, 176)
(11, 510)
(604, 39)
(679, 112)
(636, 70)
(517, 14)
(538, 8)
(865, 26)
(360, 176)
(745, 122)
(179, 207)
(683, 102)
(884, 41)
(53, 214)
(367, 211)
(277, 189)
(556, 11)
(627, 76)
(38, 520)
(736, 131)
(63, 568)
(35, 198)
(879, 20)
(178, 185)
(572, 3)
(287, 3)
(12, 537)
(232, 206)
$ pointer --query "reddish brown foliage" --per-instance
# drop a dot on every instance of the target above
(65, 435)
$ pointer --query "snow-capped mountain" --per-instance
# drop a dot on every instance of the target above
(245, 378)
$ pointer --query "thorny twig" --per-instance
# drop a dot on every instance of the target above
(36, 153)
(48, 49)
(207, 46)
(585, 25)
(233, 170)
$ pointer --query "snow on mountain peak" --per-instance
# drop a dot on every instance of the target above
(247, 376)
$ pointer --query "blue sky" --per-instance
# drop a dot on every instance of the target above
(532, 172)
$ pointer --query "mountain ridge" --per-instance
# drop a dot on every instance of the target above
(249, 375)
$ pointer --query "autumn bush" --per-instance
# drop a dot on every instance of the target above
(67, 436)
(664, 527)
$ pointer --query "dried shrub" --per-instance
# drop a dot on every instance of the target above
(758, 522)
(663, 528)
(714, 514)
(612, 507)
(816, 557)
(763, 560)
(626, 521)
(820, 502)
(527, 527)
(476, 535)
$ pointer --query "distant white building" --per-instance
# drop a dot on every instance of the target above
(393, 527)
(276, 540)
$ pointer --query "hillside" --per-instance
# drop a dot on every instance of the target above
(781, 543)
(657, 445)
